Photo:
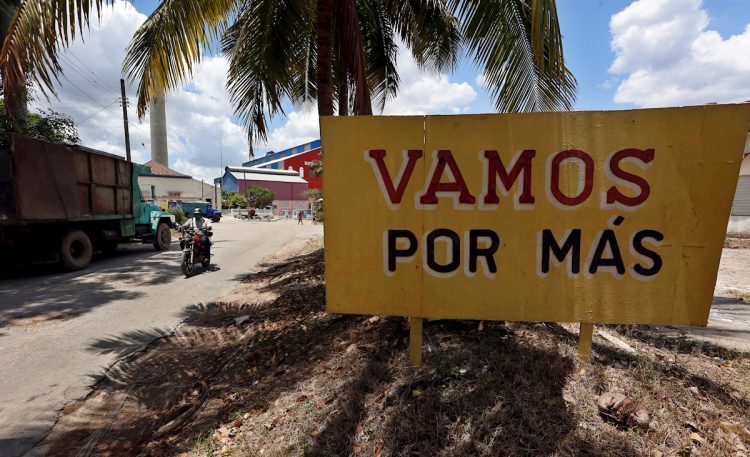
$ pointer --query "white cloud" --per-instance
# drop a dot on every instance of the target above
(422, 93)
(419, 93)
(300, 127)
(668, 56)
(89, 93)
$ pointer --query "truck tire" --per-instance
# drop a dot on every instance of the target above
(76, 250)
(215, 219)
(163, 237)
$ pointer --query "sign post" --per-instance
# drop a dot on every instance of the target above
(590, 217)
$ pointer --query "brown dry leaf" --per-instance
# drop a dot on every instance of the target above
(276, 420)
(301, 398)
(314, 434)
(356, 447)
(623, 409)
(737, 429)
(696, 438)
(378, 452)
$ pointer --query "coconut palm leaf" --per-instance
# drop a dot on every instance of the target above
(518, 44)
(268, 49)
(430, 31)
(167, 46)
(381, 51)
(38, 29)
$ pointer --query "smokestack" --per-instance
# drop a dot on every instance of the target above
(159, 151)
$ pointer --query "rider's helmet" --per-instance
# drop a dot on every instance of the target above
(197, 213)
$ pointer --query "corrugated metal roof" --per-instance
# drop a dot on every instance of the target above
(262, 171)
(260, 175)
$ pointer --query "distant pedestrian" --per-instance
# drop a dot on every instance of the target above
(299, 218)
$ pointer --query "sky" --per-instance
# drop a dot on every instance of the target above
(624, 53)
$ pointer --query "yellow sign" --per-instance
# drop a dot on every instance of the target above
(607, 217)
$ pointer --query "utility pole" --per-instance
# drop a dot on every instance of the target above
(125, 119)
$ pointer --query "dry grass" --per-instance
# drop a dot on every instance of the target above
(294, 380)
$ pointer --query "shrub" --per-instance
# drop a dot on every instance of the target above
(179, 215)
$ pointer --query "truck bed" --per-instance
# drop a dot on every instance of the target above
(45, 182)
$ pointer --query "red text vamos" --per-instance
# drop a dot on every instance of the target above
(445, 179)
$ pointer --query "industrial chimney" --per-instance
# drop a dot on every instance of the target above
(159, 151)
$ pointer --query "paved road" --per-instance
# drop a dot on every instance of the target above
(59, 331)
(729, 320)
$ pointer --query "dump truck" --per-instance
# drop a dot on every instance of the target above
(61, 203)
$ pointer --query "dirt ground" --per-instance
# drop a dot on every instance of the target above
(266, 371)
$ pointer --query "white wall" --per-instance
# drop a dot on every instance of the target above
(188, 189)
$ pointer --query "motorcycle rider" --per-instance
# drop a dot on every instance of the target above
(199, 223)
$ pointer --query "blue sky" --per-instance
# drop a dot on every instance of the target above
(624, 53)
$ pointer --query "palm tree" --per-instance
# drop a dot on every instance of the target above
(306, 49)
(32, 32)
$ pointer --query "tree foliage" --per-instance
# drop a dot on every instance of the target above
(179, 214)
(233, 200)
(47, 125)
(259, 196)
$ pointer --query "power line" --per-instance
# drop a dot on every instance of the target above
(87, 78)
(98, 112)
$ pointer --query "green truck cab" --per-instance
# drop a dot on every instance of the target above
(61, 202)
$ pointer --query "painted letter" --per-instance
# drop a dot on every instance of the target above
(455, 251)
(607, 238)
(394, 254)
(585, 183)
(487, 253)
(393, 195)
(622, 177)
(648, 253)
(439, 162)
(494, 169)
(548, 245)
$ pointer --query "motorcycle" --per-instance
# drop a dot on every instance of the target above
(193, 250)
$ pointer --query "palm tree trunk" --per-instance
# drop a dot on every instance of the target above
(325, 39)
(16, 109)
(344, 98)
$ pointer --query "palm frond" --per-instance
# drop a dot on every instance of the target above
(518, 44)
(430, 30)
(35, 35)
(167, 46)
(381, 51)
(269, 53)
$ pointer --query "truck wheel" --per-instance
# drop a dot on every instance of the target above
(215, 219)
(163, 237)
(76, 250)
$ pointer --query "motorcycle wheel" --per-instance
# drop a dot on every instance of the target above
(206, 261)
(187, 265)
